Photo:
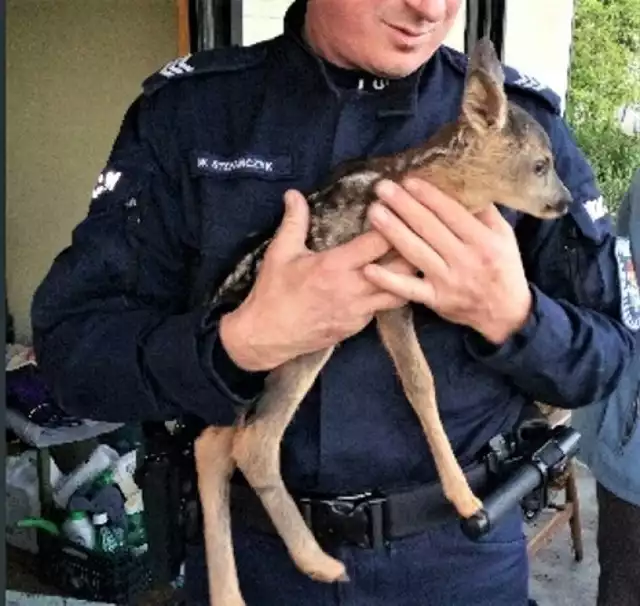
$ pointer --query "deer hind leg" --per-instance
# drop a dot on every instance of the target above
(256, 450)
(399, 337)
(215, 465)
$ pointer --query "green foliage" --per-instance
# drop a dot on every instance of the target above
(605, 76)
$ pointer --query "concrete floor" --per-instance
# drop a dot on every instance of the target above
(556, 578)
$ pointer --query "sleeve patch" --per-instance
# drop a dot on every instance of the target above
(107, 182)
(596, 209)
(629, 290)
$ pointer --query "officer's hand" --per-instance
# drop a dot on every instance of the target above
(473, 273)
(304, 301)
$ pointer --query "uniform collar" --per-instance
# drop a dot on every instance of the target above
(398, 98)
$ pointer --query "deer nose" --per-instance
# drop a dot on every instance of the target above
(561, 207)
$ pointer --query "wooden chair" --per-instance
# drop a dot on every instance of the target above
(567, 512)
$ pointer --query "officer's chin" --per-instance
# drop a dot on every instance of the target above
(396, 64)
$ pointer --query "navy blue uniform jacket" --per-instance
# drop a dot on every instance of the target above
(201, 161)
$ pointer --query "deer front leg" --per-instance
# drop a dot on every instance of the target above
(399, 337)
(256, 450)
(214, 465)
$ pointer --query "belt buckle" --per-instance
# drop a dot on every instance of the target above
(354, 519)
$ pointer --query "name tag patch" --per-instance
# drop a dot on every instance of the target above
(629, 290)
(248, 165)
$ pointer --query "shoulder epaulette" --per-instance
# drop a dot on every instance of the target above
(513, 79)
(218, 60)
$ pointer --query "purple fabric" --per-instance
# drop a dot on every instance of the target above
(28, 394)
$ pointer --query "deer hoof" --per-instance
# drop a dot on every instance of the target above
(325, 569)
(462, 498)
(469, 506)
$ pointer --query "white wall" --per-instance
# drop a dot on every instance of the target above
(73, 67)
(455, 39)
(538, 40)
(262, 19)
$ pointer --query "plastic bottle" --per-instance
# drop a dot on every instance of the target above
(178, 582)
(102, 480)
(124, 472)
(109, 538)
(101, 459)
(22, 500)
(78, 529)
(136, 533)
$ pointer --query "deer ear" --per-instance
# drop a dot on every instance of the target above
(484, 104)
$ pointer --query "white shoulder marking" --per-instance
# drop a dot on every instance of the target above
(177, 67)
(530, 82)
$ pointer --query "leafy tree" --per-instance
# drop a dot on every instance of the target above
(605, 76)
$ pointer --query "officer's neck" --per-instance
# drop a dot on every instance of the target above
(355, 79)
(342, 74)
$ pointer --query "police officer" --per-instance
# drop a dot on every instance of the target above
(610, 443)
(509, 309)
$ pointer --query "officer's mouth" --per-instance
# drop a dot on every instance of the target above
(409, 36)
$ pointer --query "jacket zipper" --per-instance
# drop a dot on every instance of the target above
(571, 250)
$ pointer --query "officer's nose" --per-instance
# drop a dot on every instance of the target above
(430, 10)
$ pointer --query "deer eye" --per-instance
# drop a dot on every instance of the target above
(542, 167)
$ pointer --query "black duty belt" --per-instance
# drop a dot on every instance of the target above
(366, 520)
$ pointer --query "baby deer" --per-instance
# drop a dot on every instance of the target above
(494, 153)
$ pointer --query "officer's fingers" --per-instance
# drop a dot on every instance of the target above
(360, 251)
(408, 243)
(407, 287)
(398, 265)
(492, 218)
(458, 220)
(382, 301)
(290, 238)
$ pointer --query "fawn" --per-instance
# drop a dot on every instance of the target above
(494, 152)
